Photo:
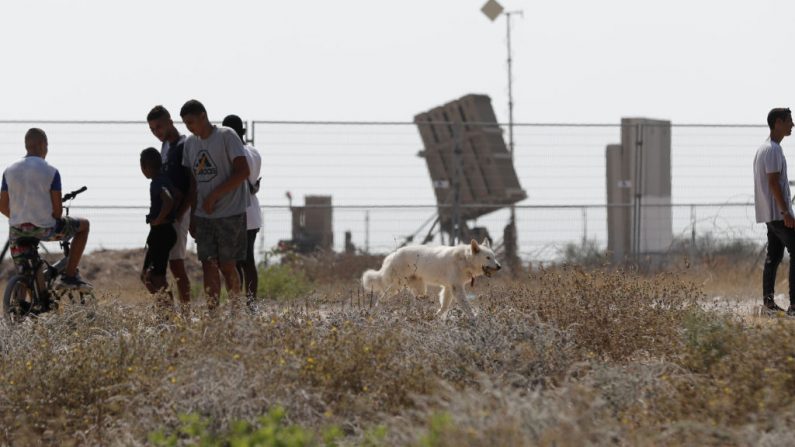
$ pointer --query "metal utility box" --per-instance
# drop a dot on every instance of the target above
(639, 216)
(487, 176)
(312, 225)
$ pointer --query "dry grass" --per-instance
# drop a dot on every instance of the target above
(562, 357)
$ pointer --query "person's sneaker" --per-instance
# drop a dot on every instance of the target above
(74, 283)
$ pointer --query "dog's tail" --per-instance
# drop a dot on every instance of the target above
(373, 281)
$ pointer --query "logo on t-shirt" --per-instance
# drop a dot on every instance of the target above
(204, 168)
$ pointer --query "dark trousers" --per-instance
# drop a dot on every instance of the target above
(778, 237)
(248, 269)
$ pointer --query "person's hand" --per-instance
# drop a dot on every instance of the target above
(789, 221)
(208, 205)
(155, 222)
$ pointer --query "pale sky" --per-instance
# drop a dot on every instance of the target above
(576, 61)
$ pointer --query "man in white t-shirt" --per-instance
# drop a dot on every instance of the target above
(773, 204)
(248, 268)
(31, 199)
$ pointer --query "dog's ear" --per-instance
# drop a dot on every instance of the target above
(475, 246)
(485, 243)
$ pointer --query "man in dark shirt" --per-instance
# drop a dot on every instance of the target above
(162, 234)
(163, 128)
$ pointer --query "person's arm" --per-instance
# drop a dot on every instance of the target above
(775, 189)
(192, 198)
(55, 196)
(168, 204)
(255, 166)
(239, 175)
(57, 204)
(185, 202)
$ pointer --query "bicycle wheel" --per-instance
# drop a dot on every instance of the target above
(17, 299)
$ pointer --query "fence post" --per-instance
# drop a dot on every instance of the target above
(367, 231)
(456, 233)
(692, 232)
(584, 227)
(638, 184)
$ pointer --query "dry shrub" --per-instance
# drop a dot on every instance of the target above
(566, 357)
(592, 406)
(741, 373)
(613, 313)
(115, 372)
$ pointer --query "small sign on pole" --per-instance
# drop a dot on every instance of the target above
(492, 9)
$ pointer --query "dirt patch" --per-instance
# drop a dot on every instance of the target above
(114, 271)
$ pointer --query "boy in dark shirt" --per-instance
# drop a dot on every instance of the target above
(162, 127)
(162, 235)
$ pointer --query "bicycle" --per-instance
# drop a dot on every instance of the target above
(31, 291)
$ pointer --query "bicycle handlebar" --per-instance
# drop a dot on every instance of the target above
(73, 194)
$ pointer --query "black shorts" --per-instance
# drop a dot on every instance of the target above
(158, 245)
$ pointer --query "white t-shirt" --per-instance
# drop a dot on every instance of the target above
(770, 158)
(253, 213)
(28, 183)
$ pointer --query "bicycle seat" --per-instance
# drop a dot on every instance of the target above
(27, 241)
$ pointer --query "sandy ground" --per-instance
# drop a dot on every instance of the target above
(115, 273)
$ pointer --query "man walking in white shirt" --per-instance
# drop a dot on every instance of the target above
(773, 204)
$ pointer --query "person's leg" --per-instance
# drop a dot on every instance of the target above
(232, 230)
(177, 259)
(148, 259)
(212, 283)
(164, 299)
(232, 281)
(775, 253)
(177, 267)
(78, 244)
(250, 267)
(786, 236)
(160, 241)
(207, 250)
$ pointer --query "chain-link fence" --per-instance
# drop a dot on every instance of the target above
(381, 191)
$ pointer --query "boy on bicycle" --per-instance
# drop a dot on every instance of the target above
(31, 199)
(164, 202)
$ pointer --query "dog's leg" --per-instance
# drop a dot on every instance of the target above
(445, 300)
(458, 291)
(417, 287)
(378, 297)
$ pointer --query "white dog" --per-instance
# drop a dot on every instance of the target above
(418, 266)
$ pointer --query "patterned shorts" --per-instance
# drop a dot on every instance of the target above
(64, 229)
(223, 239)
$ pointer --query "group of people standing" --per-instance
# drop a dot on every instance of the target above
(204, 184)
